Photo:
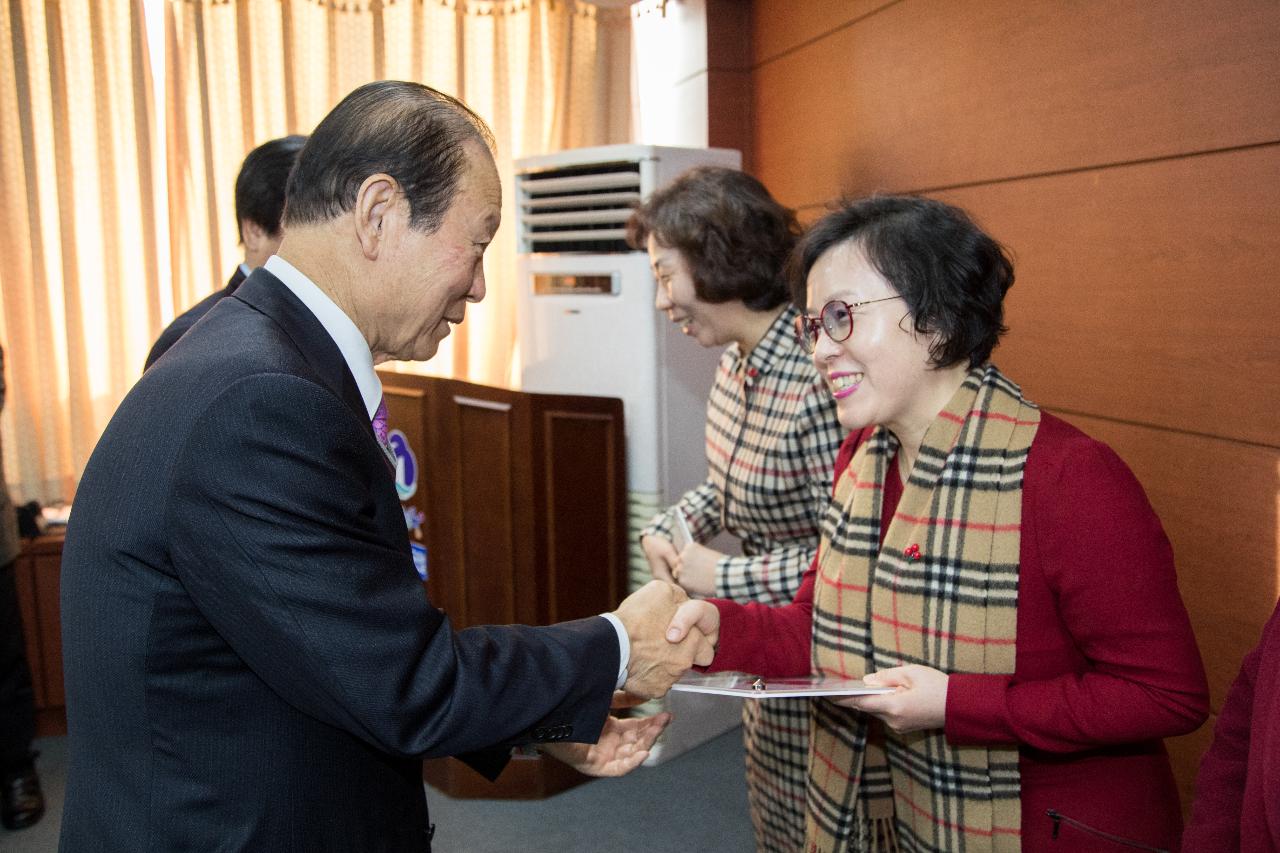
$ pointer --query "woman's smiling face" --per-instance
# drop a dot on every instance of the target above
(705, 322)
(881, 373)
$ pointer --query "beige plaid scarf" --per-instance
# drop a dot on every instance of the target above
(943, 592)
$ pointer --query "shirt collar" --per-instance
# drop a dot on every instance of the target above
(778, 338)
(245, 270)
(352, 345)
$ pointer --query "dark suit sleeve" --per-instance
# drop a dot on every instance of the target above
(276, 535)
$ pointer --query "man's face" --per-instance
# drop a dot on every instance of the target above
(430, 278)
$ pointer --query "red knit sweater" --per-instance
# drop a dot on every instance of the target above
(1238, 790)
(1106, 662)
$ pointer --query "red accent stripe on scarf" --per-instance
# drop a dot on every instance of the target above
(993, 416)
(961, 525)
(933, 632)
(838, 584)
(995, 830)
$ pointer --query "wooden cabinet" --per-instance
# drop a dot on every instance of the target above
(36, 575)
(524, 498)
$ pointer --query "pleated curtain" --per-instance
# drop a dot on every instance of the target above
(545, 74)
(86, 164)
(79, 277)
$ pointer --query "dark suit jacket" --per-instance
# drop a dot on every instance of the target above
(250, 660)
(188, 318)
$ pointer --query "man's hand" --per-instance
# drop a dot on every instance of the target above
(657, 663)
(919, 704)
(623, 700)
(696, 617)
(695, 569)
(623, 746)
(662, 557)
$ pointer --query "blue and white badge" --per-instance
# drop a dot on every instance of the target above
(414, 518)
(419, 552)
(406, 464)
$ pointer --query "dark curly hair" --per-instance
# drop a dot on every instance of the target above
(951, 274)
(735, 237)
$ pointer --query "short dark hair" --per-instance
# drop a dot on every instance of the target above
(735, 237)
(952, 275)
(261, 183)
(409, 131)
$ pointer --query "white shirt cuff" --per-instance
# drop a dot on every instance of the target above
(624, 648)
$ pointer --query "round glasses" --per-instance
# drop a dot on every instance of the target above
(835, 318)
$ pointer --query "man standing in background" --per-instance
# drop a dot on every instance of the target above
(21, 801)
(259, 208)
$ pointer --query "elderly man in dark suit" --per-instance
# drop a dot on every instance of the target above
(250, 661)
(260, 186)
(21, 800)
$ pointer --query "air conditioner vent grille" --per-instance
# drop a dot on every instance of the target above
(577, 208)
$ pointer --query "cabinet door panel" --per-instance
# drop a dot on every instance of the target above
(23, 577)
(583, 480)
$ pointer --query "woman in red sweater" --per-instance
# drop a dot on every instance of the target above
(999, 568)
(1237, 807)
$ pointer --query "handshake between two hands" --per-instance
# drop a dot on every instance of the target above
(669, 633)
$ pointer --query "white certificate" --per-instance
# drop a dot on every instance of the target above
(680, 534)
(745, 686)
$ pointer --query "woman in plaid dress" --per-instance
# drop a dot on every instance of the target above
(998, 568)
(718, 243)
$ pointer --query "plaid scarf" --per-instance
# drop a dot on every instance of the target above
(943, 592)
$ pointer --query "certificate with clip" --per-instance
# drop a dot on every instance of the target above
(745, 686)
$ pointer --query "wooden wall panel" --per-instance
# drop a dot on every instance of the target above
(728, 35)
(930, 95)
(783, 25)
(729, 112)
(1146, 292)
(1184, 755)
(1217, 500)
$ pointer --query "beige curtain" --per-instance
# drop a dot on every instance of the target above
(545, 74)
(77, 230)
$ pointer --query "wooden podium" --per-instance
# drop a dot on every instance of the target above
(523, 505)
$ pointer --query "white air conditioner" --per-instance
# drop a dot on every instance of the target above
(587, 325)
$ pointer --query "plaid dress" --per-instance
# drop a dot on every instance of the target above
(772, 437)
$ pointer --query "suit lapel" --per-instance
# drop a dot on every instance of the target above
(267, 294)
